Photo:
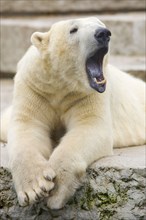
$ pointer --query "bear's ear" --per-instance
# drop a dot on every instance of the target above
(37, 39)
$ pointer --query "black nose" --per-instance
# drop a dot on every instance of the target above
(102, 35)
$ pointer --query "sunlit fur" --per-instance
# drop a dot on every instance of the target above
(52, 91)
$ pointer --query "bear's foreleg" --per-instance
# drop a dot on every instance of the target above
(80, 147)
(30, 146)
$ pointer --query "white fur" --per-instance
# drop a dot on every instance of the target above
(52, 91)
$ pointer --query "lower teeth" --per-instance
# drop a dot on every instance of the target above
(99, 82)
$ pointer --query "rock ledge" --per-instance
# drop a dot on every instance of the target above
(107, 193)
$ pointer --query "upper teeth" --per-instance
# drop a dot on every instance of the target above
(100, 82)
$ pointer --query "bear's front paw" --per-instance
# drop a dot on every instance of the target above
(66, 183)
(33, 181)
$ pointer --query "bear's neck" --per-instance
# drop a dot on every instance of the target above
(55, 89)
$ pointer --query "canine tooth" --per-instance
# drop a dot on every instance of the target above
(100, 82)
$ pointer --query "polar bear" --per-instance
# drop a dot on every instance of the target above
(70, 108)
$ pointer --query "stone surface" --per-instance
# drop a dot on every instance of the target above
(128, 157)
(16, 32)
(6, 90)
(134, 65)
(107, 194)
(69, 6)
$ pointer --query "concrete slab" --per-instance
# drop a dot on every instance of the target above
(129, 157)
(16, 33)
(69, 6)
(6, 93)
(4, 159)
(134, 65)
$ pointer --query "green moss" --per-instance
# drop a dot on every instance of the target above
(106, 214)
(106, 198)
(88, 199)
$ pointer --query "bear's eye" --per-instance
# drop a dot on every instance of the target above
(73, 30)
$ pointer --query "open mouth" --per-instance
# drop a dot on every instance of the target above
(94, 69)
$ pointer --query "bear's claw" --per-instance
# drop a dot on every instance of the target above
(32, 188)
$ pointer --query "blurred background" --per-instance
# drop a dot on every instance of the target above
(125, 19)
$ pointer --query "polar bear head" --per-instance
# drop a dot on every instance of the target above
(75, 51)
